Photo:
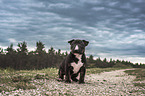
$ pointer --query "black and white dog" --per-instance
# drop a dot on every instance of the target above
(74, 63)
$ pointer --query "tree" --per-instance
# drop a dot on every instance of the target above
(118, 61)
(40, 47)
(105, 60)
(51, 51)
(10, 49)
(58, 52)
(98, 62)
(111, 63)
(2, 59)
(40, 55)
(66, 53)
(22, 55)
(91, 59)
(22, 48)
(11, 57)
(2, 51)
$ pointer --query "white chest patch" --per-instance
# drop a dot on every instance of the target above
(76, 67)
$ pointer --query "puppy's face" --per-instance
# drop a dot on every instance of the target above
(78, 46)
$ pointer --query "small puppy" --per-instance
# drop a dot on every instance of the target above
(74, 63)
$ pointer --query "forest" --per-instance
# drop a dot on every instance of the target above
(21, 59)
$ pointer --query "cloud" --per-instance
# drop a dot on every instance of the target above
(114, 28)
(12, 40)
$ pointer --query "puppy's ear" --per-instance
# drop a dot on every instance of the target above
(71, 41)
(85, 42)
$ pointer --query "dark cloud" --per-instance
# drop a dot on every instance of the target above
(115, 29)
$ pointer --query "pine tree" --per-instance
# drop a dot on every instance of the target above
(58, 52)
(51, 51)
(22, 55)
(105, 60)
(10, 49)
(1, 50)
(40, 47)
(22, 48)
(91, 59)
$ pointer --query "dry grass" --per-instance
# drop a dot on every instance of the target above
(140, 78)
(11, 79)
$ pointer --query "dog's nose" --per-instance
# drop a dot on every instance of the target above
(77, 47)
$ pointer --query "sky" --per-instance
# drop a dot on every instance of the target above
(114, 28)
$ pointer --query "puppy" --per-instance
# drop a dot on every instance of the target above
(74, 63)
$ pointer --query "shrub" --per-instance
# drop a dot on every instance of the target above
(24, 85)
(21, 79)
(120, 65)
(38, 76)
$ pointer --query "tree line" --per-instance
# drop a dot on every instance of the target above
(21, 59)
(112, 63)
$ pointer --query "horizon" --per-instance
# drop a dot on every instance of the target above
(68, 51)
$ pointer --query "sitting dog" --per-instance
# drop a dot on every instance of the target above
(74, 63)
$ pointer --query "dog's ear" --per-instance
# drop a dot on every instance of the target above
(71, 41)
(85, 42)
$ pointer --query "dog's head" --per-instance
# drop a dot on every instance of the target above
(78, 46)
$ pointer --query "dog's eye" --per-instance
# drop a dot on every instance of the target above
(82, 47)
(72, 44)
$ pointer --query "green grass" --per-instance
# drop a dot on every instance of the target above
(10, 83)
(11, 79)
(140, 76)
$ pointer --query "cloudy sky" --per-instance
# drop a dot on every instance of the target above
(114, 28)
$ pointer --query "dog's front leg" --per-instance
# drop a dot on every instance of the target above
(82, 75)
(67, 71)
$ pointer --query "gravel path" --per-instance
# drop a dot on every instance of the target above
(114, 83)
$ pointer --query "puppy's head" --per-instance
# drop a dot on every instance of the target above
(78, 46)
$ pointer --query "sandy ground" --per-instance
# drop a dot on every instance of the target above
(114, 83)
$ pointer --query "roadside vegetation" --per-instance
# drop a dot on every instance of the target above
(140, 77)
(100, 70)
(138, 72)
(11, 80)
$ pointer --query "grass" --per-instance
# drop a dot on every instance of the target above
(139, 73)
(10, 83)
(140, 76)
(11, 79)
(99, 70)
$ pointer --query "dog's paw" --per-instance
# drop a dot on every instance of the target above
(76, 80)
(81, 82)
(68, 81)
(59, 79)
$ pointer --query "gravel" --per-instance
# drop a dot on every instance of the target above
(114, 83)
